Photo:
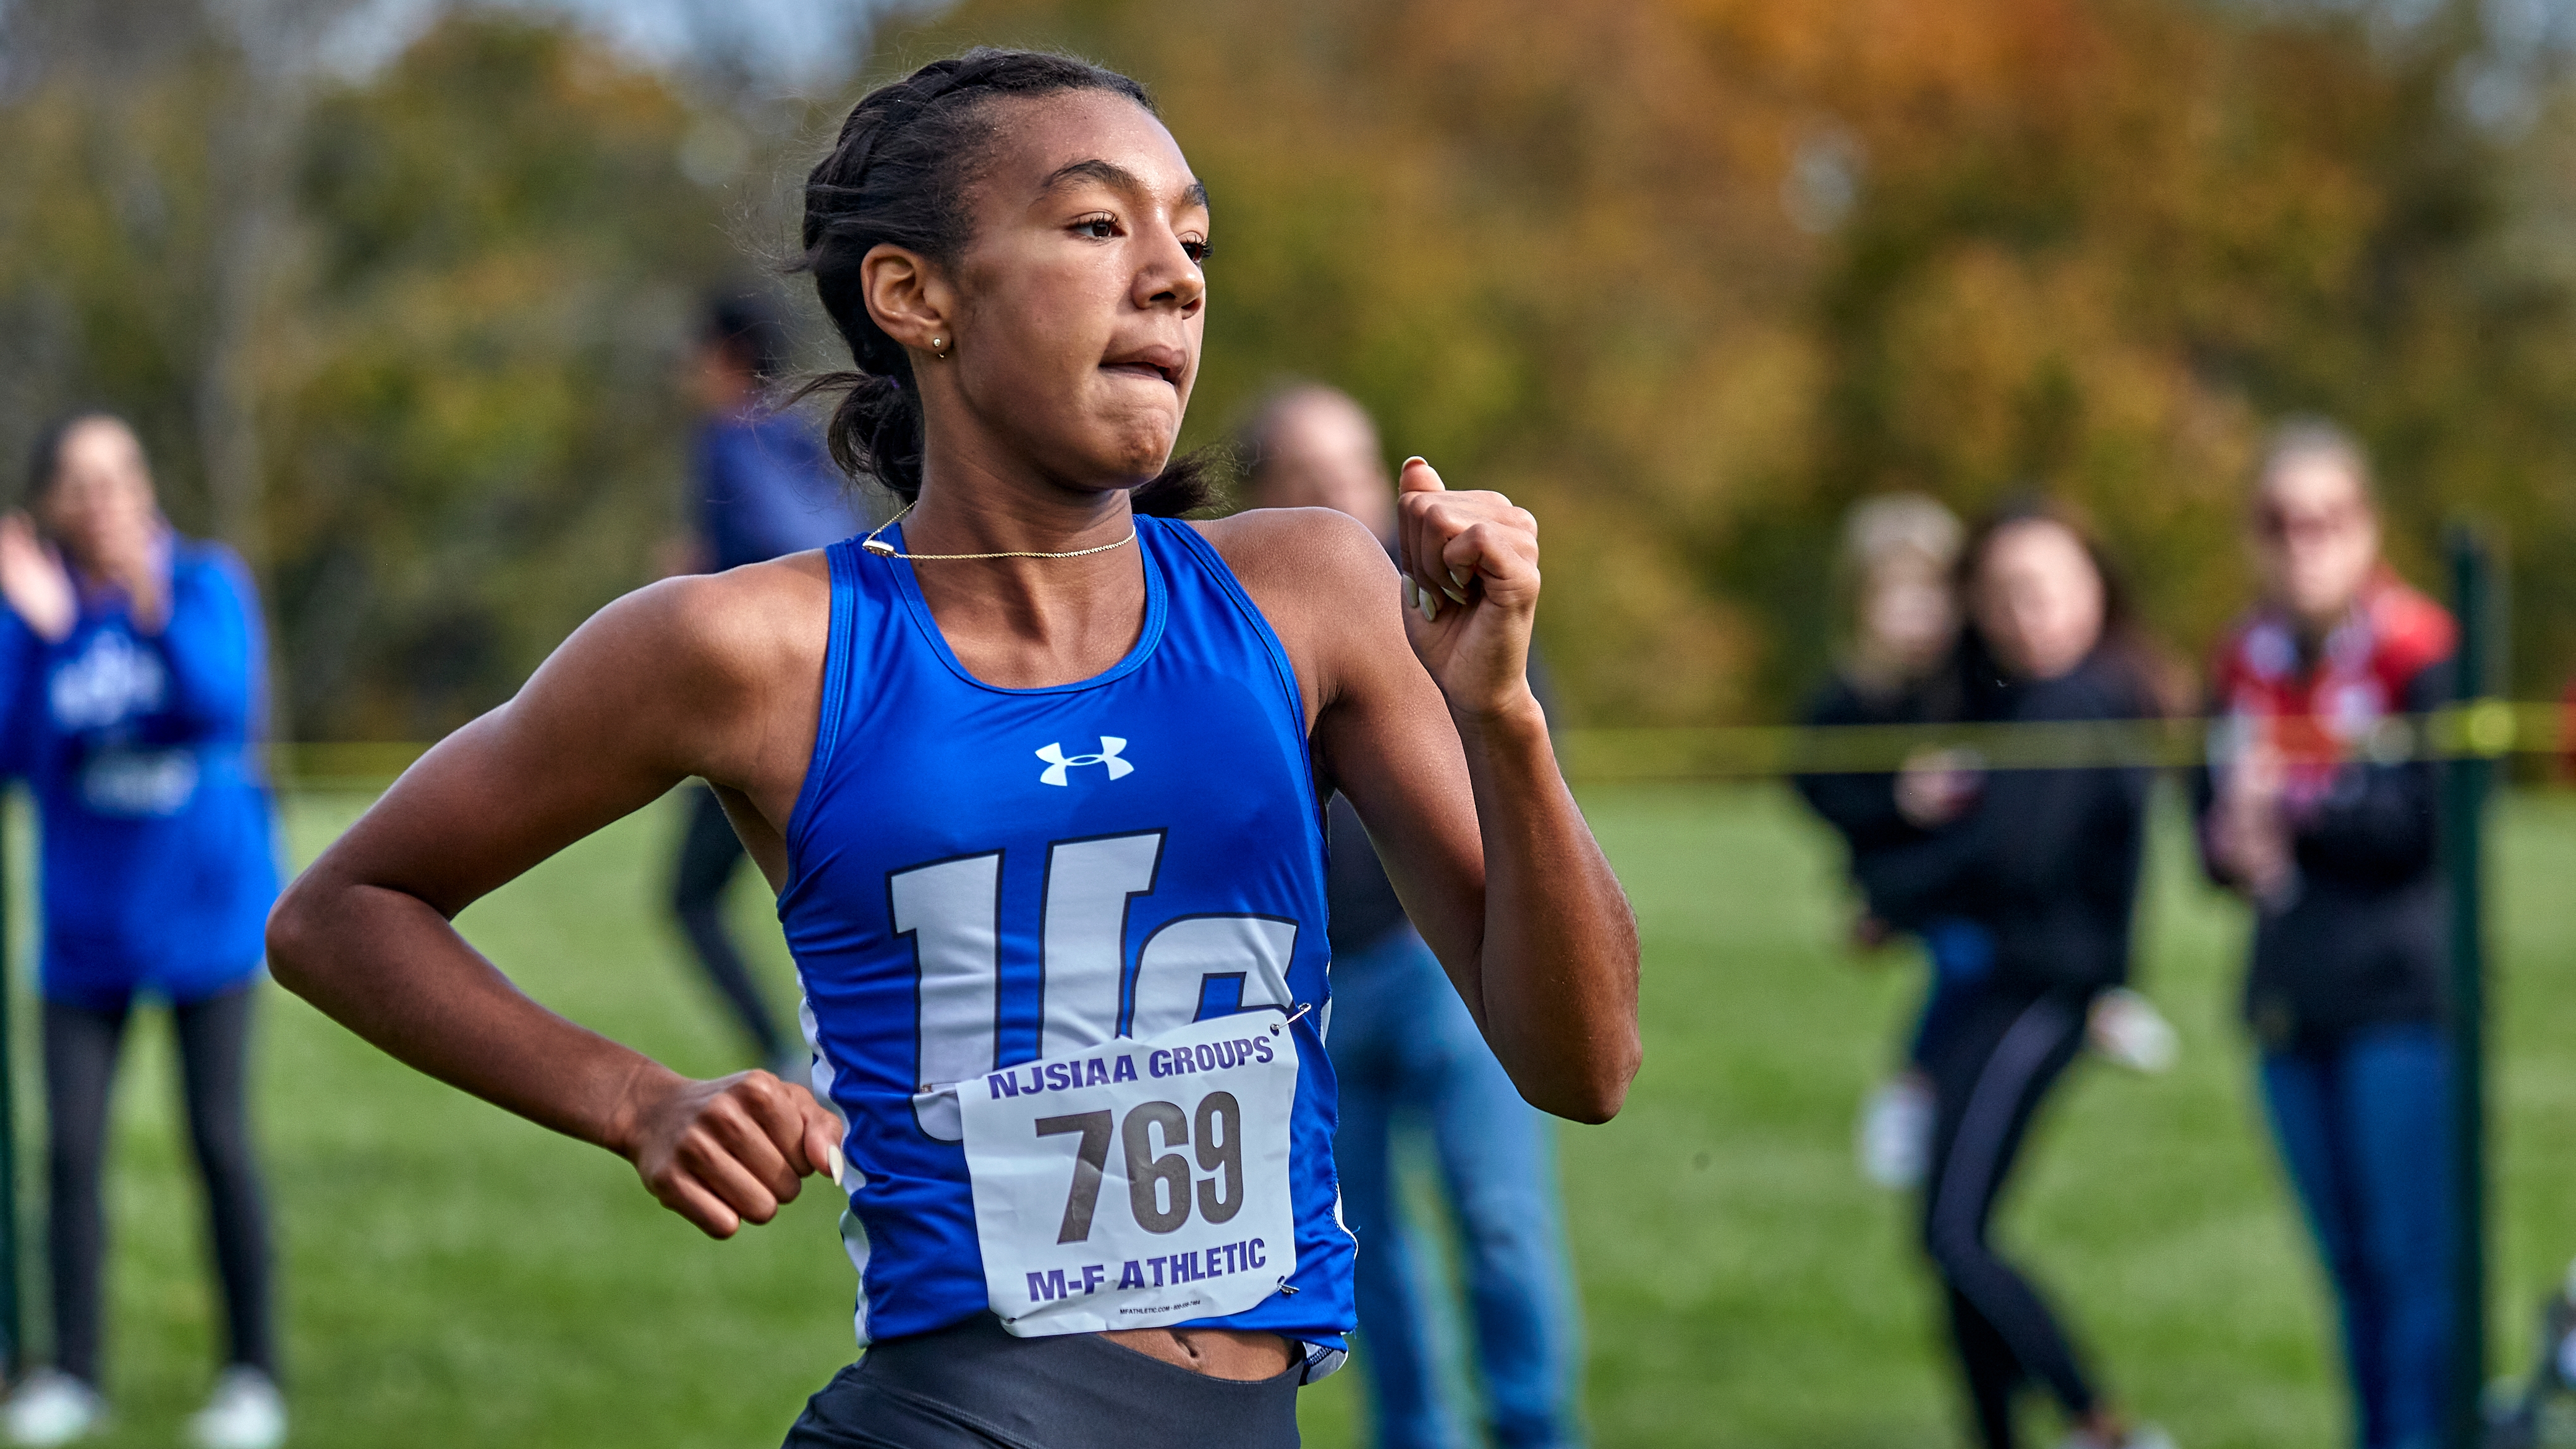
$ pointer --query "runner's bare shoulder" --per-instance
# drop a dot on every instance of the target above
(702, 668)
(1297, 550)
(1316, 574)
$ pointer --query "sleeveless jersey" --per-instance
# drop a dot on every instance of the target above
(982, 878)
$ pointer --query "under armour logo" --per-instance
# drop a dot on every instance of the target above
(1058, 761)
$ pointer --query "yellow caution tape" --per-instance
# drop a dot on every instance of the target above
(2481, 729)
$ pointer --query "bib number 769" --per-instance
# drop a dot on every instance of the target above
(1158, 1183)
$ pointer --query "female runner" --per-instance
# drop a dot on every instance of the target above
(1036, 774)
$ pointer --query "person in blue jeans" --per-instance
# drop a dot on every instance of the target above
(1409, 1061)
(2333, 842)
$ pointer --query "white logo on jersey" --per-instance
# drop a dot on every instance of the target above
(112, 680)
(1058, 761)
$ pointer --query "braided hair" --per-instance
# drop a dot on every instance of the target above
(899, 175)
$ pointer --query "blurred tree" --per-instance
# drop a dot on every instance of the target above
(1694, 275)
(2103, 244)
(478, 430)
(105, 204)
(1543, 243)
(1688, 275)
(411, 339)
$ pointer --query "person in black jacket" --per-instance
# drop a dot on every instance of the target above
(2315, 812)
(2046, 862)
(1902, 668)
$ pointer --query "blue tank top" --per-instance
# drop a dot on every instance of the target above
(982, 877)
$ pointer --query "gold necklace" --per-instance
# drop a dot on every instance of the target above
(882, 549)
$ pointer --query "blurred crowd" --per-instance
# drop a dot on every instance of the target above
(131, 663)
(2020, 886)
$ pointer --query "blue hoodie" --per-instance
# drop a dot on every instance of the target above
(159, 860)
(764, 487)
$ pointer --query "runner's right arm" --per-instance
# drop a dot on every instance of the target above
(696, 676)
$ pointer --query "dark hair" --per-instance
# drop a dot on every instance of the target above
(45, 458)
(745, 325)
(2124, 644)
(899, 174)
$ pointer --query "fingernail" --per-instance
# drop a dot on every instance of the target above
(1412, 594)
(1461, 580)
(1409, 462)
(839, 1167)
(1430, 607)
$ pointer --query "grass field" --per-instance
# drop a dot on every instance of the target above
(455, 1277)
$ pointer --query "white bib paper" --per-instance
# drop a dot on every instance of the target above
(1137, 1183)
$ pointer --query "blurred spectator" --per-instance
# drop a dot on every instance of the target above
(1408, 1056)
(1902, 669)
(136, 664)
(2046, 864)
(761, 486)
(2332, 838)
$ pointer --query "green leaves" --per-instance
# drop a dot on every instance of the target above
(1685, 276)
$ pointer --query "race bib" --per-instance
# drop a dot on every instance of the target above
(1138, 1183)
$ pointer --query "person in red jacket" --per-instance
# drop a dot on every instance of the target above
(2316, 811)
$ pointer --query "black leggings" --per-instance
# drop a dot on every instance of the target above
(709, 854)
(1995, 1058)
(81, 1048)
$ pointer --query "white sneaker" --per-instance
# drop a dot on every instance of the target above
(52, 1407)
(245, 1412)
(1894, 1140)
(2127, 1030)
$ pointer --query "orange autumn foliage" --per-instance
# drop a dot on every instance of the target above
(2088, 245)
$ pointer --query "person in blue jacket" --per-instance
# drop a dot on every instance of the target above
(135, 666)
(761, 488)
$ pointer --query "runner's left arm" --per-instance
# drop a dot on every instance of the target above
(1429, 726)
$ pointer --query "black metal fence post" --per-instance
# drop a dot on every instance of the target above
(2466, 783)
